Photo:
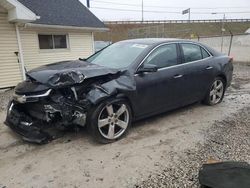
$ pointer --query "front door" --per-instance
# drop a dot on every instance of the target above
(161, 90)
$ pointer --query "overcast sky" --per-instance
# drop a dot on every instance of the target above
(168, 9)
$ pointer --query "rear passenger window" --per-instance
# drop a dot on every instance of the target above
(191, 52)
(204, 53)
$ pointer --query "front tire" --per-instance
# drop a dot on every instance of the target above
(216, 92)
(110, 120)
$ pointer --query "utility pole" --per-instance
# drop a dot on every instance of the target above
(222, 28)
(88, 4)
(189, 15)
(222, 31)
(142, 11)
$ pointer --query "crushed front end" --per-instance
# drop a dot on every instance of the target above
(58, 96)
(37, 109)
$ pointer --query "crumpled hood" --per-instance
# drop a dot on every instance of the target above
(67, 73)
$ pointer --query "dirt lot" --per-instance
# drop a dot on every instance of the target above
(163, 151)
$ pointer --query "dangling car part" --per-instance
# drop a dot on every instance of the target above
(126, 81)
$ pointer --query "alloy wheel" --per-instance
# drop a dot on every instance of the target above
(216, 92)
(113, 120)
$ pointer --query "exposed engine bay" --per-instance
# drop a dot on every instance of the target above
(60, 96)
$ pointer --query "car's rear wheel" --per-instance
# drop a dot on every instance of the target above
(110, 120)
(216, 92)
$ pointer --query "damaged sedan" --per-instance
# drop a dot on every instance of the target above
(124, 82)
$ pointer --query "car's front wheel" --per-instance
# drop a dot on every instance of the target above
(110, 120)
(216, 92)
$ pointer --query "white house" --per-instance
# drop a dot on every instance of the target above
(38, 32)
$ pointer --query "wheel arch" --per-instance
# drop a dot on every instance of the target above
(118, 96)
(125, 97)
(223, 76)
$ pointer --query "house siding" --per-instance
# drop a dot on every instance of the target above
(10, 72)
(79, 45)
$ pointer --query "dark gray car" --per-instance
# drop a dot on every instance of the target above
(126, 81)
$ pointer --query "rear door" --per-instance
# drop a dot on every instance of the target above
(199, 70)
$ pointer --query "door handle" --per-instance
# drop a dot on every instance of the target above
(178, 76)
(209, 67)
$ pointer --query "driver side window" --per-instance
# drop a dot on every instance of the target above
(164, 56)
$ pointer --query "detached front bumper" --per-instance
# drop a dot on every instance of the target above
(25, 126)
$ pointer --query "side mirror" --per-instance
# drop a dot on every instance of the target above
(147, 68)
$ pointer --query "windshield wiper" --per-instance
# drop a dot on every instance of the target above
(83, 59)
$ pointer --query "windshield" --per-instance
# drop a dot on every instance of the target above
(118, 55)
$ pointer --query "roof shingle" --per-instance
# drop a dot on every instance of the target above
(62, 12)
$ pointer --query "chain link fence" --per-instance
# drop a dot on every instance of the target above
(237, 46)
(147, 32)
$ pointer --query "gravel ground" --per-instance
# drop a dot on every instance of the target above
(226, 140)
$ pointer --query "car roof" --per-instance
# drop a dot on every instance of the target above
(156, 41)
(153, 41)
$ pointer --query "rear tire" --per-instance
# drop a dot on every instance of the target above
(216, 91)
(110, 120)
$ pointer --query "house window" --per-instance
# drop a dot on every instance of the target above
(52, 41)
